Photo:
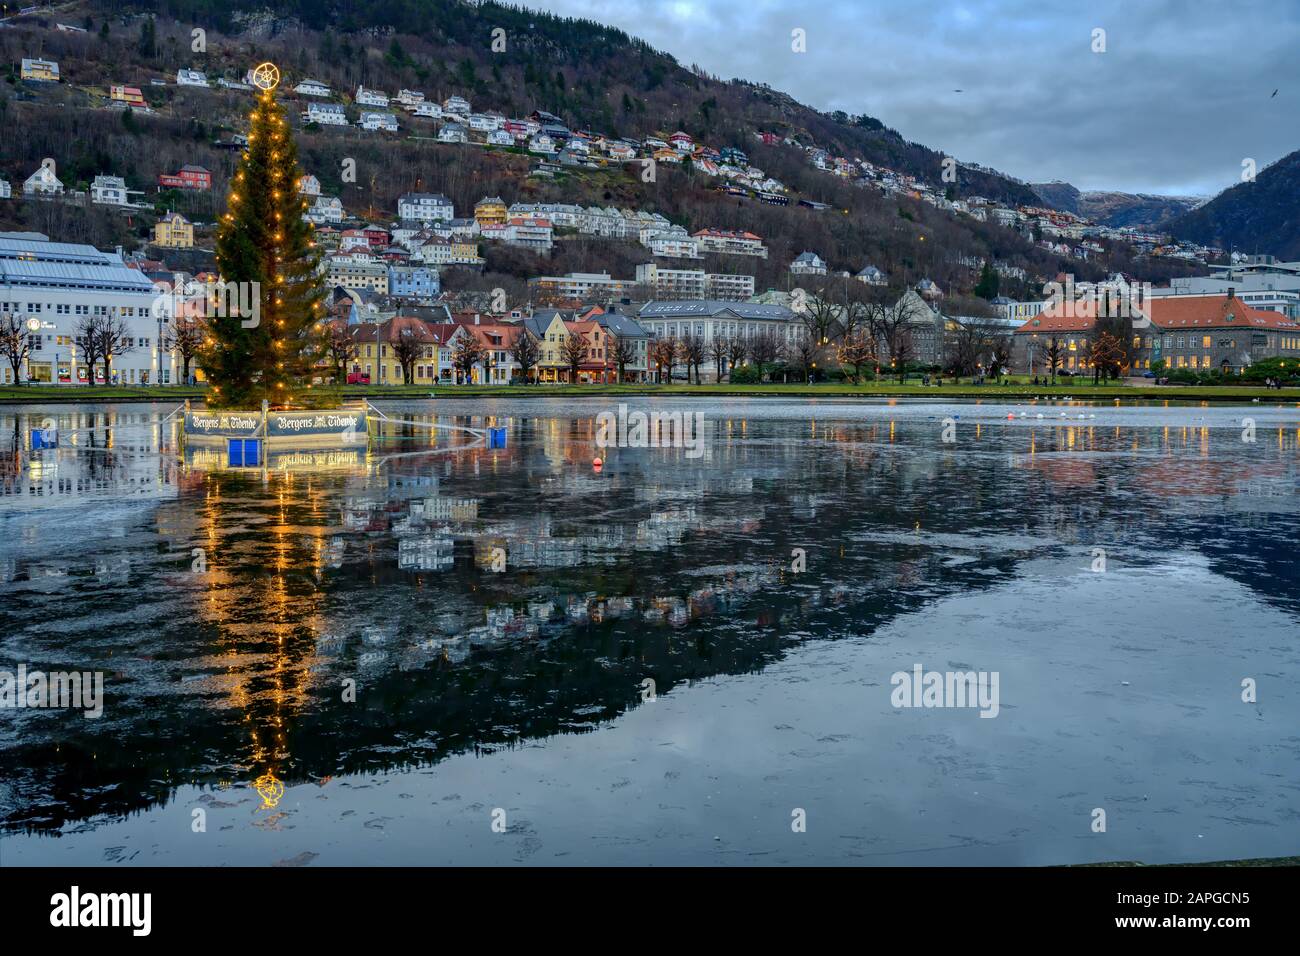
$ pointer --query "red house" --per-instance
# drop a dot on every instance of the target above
(189, 177)
(377, 237)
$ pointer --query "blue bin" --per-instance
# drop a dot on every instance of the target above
(496, 438)
(43, 438)
(244, 452)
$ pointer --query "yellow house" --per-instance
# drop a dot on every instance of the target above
(464, 250)
(174, 231)
(491, 211)
(37, 69)
(551, 363)
(377, 360)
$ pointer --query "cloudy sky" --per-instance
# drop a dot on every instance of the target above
(1180, 97)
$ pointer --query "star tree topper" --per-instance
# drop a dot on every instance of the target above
(266, 76)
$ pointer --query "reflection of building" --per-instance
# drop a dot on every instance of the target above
(446, 509)
(425, 553)
(129, 470)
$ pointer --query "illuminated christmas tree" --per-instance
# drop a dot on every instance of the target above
(267, 259)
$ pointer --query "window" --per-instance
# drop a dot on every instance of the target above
(1205, 341)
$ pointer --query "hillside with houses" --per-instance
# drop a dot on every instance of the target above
(609, 188)
(534, 124)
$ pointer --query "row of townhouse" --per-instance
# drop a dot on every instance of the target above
(1197, 332)
(433, 346)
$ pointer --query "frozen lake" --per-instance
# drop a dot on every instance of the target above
(668, 660)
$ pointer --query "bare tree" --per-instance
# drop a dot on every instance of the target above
(692, 352)
(889, 325)
(342, 349)
(819, 314)
(185, 338)
(86, 340)
(1000, 360)
(737, 351)
(1054, 354)
(407, 349)
(465, 354)
(624, 354)
(857, 350)
(970, 345)
(15, 342)
(573, 350)
(526, 351)
(718, 352)
(113, 341)
(803, 354)
(766, 348)
(1108, 356)
(666, 354)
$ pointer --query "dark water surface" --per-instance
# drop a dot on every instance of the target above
(519, 695)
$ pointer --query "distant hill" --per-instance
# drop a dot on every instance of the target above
(592, 76)
(1263, 216)
(1116, 209)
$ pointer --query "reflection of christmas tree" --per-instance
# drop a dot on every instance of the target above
(263, 239)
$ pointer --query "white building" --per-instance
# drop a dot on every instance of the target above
(312, 88)
(499, 137)
(309, 185)
(108, 191)
(367, 97)
(424, 207)
(694, 283)
(808, 263)
(531, 233)
(410, 98)
(43, 182)
(672, 243)
(6, 191)
(731, 243)
(192, 78)
(325, 209)
(427, 109)
(453, 133)
(52, 286)
(378, 119)
(718, 319)
(329, 114)
(456, 104)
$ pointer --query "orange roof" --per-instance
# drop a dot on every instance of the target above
(1063, 317)
(1170, 312)
(1213, 312)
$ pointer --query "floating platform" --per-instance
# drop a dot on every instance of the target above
(324, 428)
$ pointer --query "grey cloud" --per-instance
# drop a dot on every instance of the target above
(1181, 96)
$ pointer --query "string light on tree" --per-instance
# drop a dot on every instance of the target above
(263, 241)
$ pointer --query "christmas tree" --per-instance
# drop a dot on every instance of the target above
(265, 254)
